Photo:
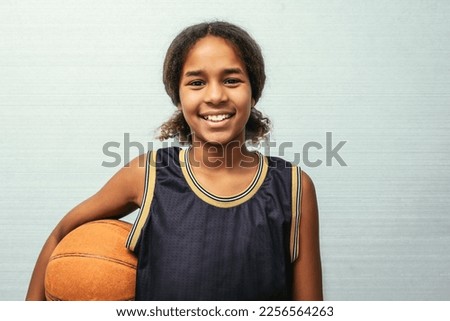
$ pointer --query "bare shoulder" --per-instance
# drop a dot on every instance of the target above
(134, 175)
(309, 197)
(137, 165)
(307, 182)
(308, 205)
(126, 186)
(120, 196)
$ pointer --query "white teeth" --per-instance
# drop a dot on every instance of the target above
(217, 118)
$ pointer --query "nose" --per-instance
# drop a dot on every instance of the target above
(215, 93)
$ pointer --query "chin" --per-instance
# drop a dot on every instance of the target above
(221, 140)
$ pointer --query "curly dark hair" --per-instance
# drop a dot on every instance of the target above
(258, 126)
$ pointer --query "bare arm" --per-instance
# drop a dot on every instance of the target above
(307, 268)
(121, 195)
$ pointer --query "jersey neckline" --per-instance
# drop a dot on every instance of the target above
(221, 201)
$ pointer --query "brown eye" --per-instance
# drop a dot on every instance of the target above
(196, 83)
(232, 81)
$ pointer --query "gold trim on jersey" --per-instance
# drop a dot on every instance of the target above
(218, 201)
(296, 197)
(144, 212)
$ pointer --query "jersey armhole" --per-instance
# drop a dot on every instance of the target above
(296, 197)
(144, 211)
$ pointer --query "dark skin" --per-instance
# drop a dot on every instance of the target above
(122, 194)
(225, 180)
(214, 81)
(308, 268)
(216, 100)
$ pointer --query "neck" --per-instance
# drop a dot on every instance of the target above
(221, 156)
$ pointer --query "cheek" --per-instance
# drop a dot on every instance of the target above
(187, 101)
(247, 97)
(246, 103)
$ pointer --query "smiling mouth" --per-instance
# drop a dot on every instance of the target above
(217, 118)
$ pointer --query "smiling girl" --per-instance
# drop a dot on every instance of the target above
(216, 221)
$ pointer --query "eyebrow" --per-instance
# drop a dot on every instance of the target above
(227, 71)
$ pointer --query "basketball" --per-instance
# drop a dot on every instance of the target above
(91, 263)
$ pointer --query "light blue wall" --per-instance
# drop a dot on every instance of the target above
(75, 75)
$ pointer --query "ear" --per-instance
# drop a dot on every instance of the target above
(253, 102)
(179, 106)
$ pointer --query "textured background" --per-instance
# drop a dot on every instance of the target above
(75, 75)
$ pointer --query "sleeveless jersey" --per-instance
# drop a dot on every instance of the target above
(194, 245)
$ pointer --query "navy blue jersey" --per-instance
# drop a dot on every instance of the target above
(194, 245)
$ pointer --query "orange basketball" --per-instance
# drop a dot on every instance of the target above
(92, 263)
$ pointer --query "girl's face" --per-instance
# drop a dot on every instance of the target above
(215, 92)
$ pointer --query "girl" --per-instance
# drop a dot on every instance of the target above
(216, 221)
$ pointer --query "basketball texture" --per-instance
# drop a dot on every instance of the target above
(92, 263)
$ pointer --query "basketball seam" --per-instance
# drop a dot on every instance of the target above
(99, 257)
(118, 225)
(51, 297)
(112, 222)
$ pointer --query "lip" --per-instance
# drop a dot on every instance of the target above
(217, 117)
(217, 114)
(216, 122)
